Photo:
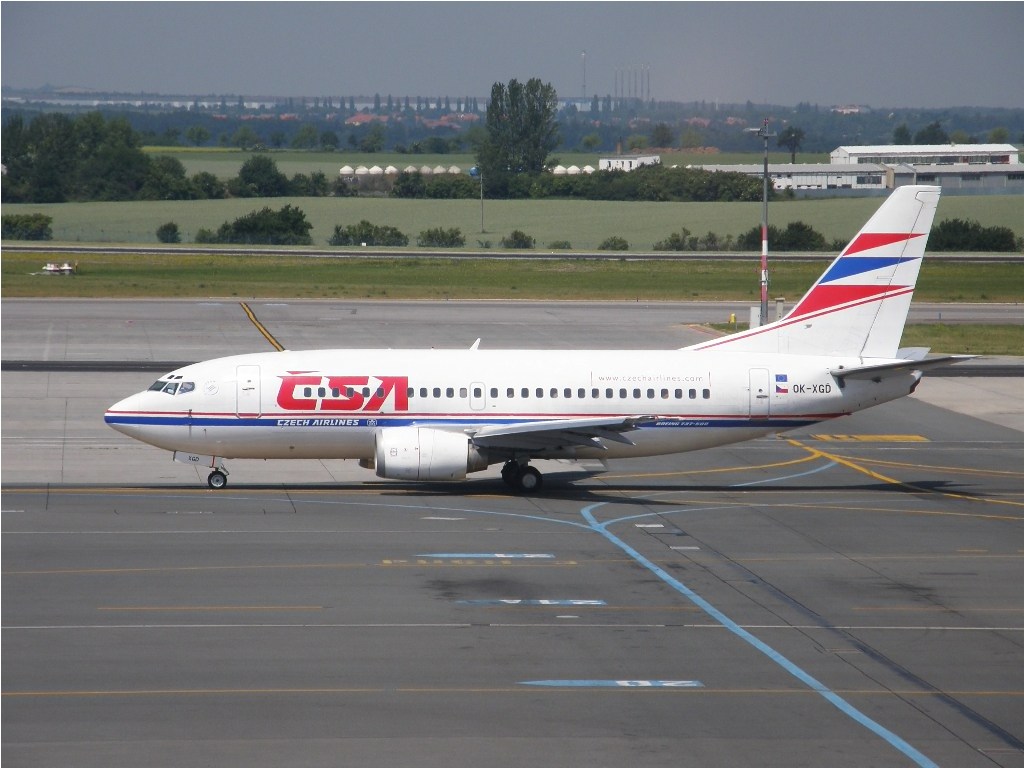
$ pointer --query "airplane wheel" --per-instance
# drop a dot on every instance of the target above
(217, 479)
(510, 473)
(530, 480)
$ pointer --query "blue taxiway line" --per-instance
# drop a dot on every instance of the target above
(799, 673)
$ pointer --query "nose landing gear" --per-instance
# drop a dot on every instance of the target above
(218, 478)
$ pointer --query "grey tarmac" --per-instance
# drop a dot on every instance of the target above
(844, 595)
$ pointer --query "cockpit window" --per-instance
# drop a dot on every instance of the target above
(172, 384)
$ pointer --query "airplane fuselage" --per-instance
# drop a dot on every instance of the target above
(331, 403)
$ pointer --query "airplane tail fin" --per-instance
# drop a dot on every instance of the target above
(859, 306)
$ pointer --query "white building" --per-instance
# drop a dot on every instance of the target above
(801, 176)
(627, 162)
(928, 154)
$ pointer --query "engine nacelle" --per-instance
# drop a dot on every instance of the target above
(423, 453)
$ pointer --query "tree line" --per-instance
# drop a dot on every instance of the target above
(57, 158)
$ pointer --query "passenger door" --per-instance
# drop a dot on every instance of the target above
(760, 393)
(247, 391)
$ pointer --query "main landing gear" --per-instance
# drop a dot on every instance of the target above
(521, 477)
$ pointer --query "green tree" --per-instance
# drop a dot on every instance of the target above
(691, 139)
(439, 237)
(969, 235)
(116, 168)
(662, 135)
(791, 138)
(329, 140)
(901, 135)
(287, 226)
(27, 226)
(637, 141)
(259, 177)
(166, 180)
(614, 243)
(306, 137)
(197, 134)
(931, 134)
(168, 233)
(373, 139)
(521, 131)
(998, 135)
(518, 239)
(366, 233)
(245, 138)
(207, 186)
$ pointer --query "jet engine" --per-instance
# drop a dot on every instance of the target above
(422, 453)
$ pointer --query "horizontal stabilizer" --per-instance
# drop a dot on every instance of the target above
(879, 371)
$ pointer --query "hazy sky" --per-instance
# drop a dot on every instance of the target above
(885, 54)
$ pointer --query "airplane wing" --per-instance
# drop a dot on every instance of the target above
(879, 371)
(559, 433)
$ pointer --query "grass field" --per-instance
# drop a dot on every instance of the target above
(585, 224)
(267, 276)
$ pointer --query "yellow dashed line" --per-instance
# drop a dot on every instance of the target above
(871, 438)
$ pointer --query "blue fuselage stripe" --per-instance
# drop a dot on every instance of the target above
(139, 420)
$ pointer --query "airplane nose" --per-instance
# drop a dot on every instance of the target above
(119, 415)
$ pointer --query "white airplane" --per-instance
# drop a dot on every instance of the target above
(440, 414)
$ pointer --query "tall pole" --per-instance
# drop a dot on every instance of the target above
(764, 227)
(584, 55)
(477, 171)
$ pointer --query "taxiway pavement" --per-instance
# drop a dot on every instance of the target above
(843, 595)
